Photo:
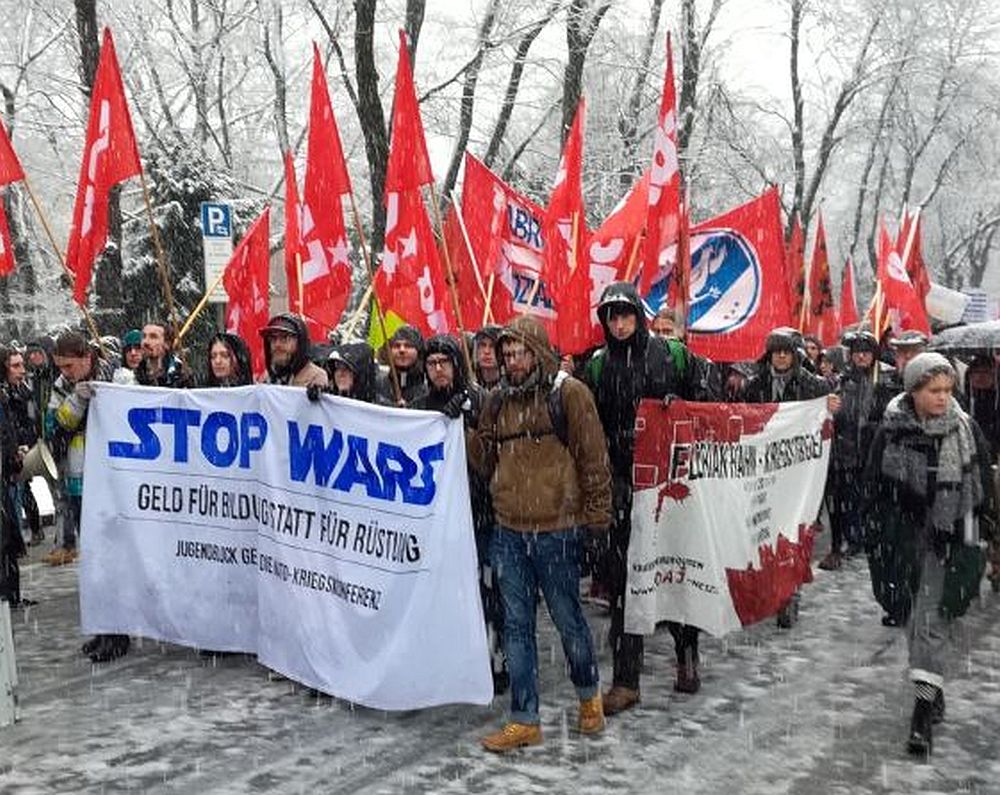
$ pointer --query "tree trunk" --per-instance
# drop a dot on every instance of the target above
(628, 122)
(370, 112)
(580, 30)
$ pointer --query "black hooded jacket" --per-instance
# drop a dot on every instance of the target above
(412, 380)
(241, 356)
(284, 375)
(623, 372)
(435, 399)
(802, 385)
(358, 357)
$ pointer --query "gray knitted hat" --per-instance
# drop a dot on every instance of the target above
(920, 365)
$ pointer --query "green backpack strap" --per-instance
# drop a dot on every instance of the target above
(678, 352)
(594, 367)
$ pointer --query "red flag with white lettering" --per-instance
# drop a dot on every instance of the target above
(110, 156)
(899, 296)
(663, 213)
(848, 303)
(737, 290)
(6, 248)
(410, 281)
(326, 267)
(821, 319)
(246, 282)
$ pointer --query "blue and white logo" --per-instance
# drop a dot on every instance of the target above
(216, 220)
(726, 282)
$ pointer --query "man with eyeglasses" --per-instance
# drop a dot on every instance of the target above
(540, 444)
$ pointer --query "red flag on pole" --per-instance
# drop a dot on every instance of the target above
(246, 282)
(293, 237)
(663, 211)
(737, 289)
(10, 171)
(409, 165)
(897, 290)
(410, 281)
(911, 254)
(10, 166)
(848, 304)
(821, 320)
(110, 156)
(795, 268)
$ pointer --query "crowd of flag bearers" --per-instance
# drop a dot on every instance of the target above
(542, 336)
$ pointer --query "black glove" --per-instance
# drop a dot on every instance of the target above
(454, 407)
(313, 392)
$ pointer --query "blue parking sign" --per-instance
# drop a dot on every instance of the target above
(216, 220)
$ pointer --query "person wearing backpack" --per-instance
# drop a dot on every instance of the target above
(631, 366)
(549, 488)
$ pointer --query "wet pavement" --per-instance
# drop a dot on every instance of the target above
(822, 708)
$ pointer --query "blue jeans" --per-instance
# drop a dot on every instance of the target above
(525, 562)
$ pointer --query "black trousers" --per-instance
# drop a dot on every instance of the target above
(626, 649)
(11, 547)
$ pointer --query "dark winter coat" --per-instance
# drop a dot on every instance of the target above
(802, 385)
(537, 482)
(863, 403)
(22, 415)
(358, 356)
(241, 356)
(435, 399)
(173, 375)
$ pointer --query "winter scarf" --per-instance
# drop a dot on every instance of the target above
(956, 483)
(779, 381)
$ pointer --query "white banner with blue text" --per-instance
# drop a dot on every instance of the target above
(332, 539)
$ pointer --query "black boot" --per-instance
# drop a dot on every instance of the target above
(91, 645)
(110, 647)
(920, 741)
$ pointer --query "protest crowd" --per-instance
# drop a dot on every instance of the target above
(551, 430)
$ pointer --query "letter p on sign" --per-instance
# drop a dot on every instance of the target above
(216, 220)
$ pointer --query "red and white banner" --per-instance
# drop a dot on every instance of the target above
(725, 496)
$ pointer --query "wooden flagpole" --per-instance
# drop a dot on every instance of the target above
(201, 305)
(161, 257)
(451, 287)
(487, 294)
(633, 257)
(62, 261)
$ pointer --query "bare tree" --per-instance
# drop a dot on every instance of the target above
(582, 22)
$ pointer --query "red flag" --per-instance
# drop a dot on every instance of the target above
(898, 293)
(409, 164)
(246, 283)
(10, 166)
(326, 267)
(848, 304)
(795, 266)
(110, 156)
(910, 253)
(293, 238)
(505, 230)
(469, 281)
(615, 247)
(737, 289)
(565, 228)
(821, 320)
(564, 225)
(663, 213)
(6, 248)
(410, 281)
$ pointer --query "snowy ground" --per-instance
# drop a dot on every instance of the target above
(823, 708)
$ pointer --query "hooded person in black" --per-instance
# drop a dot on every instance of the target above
(357, 359)
(228, 361)
(406, 350)
(634, 365)
(865, 395)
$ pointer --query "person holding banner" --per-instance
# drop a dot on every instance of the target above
(228, 361)
(540, 444)
(159, 366)
(406, 350)
(286, 353)
(352, 371)
(631, 366)
(932, 503)
(781, 377)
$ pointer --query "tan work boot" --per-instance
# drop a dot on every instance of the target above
(60, 556)
(591, 715)
(619, 698)
(513, 736)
